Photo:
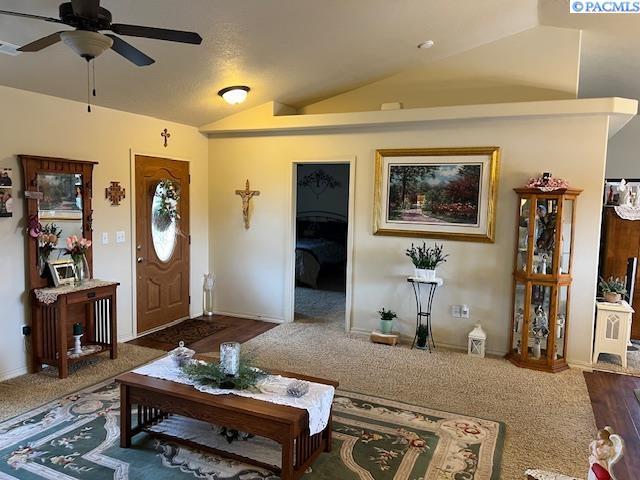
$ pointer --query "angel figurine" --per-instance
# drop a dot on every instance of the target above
(604, 452)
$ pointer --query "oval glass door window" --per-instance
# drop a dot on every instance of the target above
(164, 231)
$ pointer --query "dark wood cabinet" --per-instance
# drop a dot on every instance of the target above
(621, 241)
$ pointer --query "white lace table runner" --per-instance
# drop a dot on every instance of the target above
(273, 388)
(627, 212)
(50, 295)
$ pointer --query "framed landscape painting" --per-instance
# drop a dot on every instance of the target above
(447, 193)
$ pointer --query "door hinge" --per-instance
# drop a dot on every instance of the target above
(189, 299)
(189, 179)
(189, 239)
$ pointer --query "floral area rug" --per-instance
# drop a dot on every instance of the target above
(77, 437)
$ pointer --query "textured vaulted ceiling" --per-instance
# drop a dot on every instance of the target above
(291, 51)
(610, 60)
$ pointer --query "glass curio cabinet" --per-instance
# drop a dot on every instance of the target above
(542, 278)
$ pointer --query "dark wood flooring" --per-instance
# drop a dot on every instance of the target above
(615, 404)
(235, 330)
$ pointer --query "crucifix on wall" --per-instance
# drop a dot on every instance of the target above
(246, 195)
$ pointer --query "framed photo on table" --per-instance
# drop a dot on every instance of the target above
(446, 193)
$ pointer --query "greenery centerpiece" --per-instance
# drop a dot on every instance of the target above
(612, 289)
(386, 320)
(426, 259)
(213, 375)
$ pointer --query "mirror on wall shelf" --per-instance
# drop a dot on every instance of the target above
(57, 193)
(59, 212)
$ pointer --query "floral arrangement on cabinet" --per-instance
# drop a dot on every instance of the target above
(77, 249)
(613, 289)
(426, 260)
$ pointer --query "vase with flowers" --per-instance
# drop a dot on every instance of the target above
(47, 242)
(77, 249)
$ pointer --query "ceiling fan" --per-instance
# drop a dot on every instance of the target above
(89, 18)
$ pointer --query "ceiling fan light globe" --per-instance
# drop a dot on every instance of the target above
(87, 44)
(234, 95)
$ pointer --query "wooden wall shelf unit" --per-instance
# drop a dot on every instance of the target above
(542, 278)
(59, 190)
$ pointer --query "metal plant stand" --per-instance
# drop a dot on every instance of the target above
(429, 287)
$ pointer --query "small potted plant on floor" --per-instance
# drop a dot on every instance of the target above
(386, 320)
(612, 289)
(426, 260)
(422, 337)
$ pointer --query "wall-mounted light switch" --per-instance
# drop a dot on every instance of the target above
(455, 311)
(120, 237)
(105, 238)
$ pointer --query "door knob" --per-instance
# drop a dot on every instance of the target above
(140, 259)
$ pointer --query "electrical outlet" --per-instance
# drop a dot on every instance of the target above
(464, 311)
(120, 236)
(456, 311)
(105, 238)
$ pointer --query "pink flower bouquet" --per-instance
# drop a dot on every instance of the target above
(77, 247)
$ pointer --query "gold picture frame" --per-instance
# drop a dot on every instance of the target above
(421, 209)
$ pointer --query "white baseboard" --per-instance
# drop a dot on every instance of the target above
(250, 316)
(16, 372)
(406, 339)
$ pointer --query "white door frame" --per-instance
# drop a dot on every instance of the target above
(290, 271)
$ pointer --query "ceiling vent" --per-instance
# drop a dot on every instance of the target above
(9, 48)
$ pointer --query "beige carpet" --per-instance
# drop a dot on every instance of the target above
(549, 421)
(32, 390)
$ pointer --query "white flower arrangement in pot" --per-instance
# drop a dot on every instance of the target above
(612, 289)
(426, 260)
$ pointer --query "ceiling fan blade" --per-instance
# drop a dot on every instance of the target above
(41, 43)
(156, 33)
(27, 15)
(86, 8)
(130, 52)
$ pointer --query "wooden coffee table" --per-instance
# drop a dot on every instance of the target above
(157, 399)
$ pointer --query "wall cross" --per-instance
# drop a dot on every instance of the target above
(246, 195)
(165, 133)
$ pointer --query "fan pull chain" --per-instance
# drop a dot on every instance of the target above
(93, 64)
(88, 87)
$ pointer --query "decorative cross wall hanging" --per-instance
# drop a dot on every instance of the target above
(114, 193)
(165, 133)
(246, 195)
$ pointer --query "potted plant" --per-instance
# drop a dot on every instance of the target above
(612, 289)
(422, 337)
(386, 320)
(426, 260)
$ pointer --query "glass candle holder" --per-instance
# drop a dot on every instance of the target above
(230, 358)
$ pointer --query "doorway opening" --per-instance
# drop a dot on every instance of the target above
(322, 209)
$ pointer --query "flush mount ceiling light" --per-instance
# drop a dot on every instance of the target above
(426, 44)
(234, 95)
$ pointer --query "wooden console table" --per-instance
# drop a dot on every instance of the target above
(156, 399)
(55, 310)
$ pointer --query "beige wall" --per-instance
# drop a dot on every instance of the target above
(538, 64)
(251, 265)
(623, 155)
(42, 125)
